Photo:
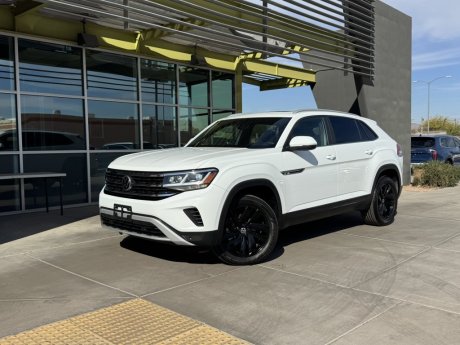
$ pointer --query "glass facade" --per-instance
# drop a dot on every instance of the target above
(73, 110)
(50, 68)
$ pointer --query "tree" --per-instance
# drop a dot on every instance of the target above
(442, 124)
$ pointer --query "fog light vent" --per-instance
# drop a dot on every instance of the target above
(194, 216)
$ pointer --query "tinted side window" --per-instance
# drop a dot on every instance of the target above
(313, 127)
(367, 134)
(447, 142)
(345, 130)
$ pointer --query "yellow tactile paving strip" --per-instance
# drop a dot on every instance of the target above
(134, 322)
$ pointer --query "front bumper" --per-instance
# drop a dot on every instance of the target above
(165, 220)
(154, 229)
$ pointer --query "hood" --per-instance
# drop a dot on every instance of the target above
(184, 158)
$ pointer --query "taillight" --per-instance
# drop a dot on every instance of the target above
(434, 154)
(399, 150)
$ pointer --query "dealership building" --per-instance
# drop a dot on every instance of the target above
(84, 82)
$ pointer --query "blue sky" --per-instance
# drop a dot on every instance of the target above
(436, 52)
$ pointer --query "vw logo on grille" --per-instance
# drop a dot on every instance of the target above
(127, 183)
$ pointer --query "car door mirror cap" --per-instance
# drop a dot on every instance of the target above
(302, 143)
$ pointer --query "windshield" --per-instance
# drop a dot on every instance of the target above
(252, 133)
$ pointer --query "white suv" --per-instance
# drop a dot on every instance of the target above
(245, 177)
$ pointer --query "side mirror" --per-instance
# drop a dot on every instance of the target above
(302, 143)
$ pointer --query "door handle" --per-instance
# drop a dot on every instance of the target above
(331, 157)
(369, 152)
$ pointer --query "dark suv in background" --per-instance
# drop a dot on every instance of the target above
(440, 147)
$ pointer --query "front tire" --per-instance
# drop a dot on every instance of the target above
(250, 232)
(384, 203)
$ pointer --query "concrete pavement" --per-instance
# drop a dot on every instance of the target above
(331, 281)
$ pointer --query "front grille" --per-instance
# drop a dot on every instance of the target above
(194, 215)
(143, 185)
(131, 225)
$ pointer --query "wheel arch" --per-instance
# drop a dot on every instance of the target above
(262, 188)
(390, 170)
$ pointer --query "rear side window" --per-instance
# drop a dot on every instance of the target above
(447, 142)
(422, 142)
(367, 134)
(345, 130)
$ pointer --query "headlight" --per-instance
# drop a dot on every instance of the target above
(189, 180)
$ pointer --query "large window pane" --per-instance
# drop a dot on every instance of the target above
(220, 114)
(8, 133)
(191, 122)
(113, 125)
(222, 90)
(74, 188)
(6, 63)
(193, 86)
(111, 75)
(9, 164)
(50, 68)
(159, 126)
(158, 81)
(10, 195)
(52, 123)
(99, 163)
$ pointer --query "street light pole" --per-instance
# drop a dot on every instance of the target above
(428, 83)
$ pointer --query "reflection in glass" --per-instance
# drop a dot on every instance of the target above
(6, 63)
(111, 75)
(220, 114)
(52, 123)
(193, 86)
(158, 81)
(191, 122)
(50, 68)
(99, 162)
(10, 196)
(74, 188)
(222, 90)
(113, 125)
(8, 135)
(159, 126)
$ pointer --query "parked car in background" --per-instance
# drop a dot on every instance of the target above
(440, 147)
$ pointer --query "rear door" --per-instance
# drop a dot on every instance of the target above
(355, 146)
(456, 156)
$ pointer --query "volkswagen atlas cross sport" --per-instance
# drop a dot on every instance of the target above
(242, 179)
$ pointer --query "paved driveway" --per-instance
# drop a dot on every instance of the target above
(331, 281)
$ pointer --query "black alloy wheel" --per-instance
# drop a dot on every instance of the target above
(250, 232)
(384, 203)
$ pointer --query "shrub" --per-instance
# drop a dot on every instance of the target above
(436, 174)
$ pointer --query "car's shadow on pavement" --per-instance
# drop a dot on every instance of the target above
(194, 255)
(310, 230)
(169, 252)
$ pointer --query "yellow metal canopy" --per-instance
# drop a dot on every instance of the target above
(231, 35)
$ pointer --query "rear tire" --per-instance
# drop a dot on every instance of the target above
(384, 203)
(250, 232)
